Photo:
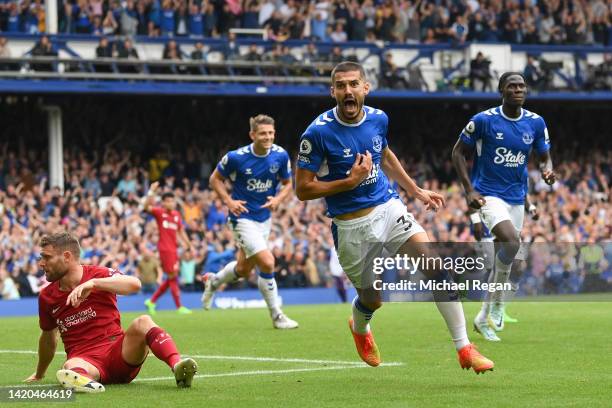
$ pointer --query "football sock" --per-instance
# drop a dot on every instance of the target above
(175, 291)
(361, 317)
(486, 303)
(503, 265)
(267, 286)
(450, 307)
(162, 346)
(225, 275)
(160, 291)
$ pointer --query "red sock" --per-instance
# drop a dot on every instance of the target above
(176, 292)
(160, 291)
(163, 346)
(81, 371)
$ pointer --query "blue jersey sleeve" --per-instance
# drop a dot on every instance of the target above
(385, 126)
(227, 165)
(311, 153)
(285, 171)
(473, 130)
(542, 141)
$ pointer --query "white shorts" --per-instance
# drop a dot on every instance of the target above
(497, 210)
(360, 240)
(251, 236)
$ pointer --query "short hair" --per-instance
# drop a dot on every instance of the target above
(348, 66)
(504, 78)
(260, 119)
(167, 194)
(64, 241)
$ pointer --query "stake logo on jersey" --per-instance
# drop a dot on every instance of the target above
(502, 148)
(255, 177)
(328, 148)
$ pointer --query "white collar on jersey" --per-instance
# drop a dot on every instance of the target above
(365, 114)
(501, 110)
(257, 155)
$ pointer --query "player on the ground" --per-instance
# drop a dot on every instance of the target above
(255, 171)
(503, 138)
(344, 157)
(81, 304)
(170, 226)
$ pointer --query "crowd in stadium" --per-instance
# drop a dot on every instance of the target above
(102, 205)
(404, 21)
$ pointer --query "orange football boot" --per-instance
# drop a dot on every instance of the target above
(366, 346)
(469, 357)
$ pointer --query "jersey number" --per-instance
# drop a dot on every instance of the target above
(405, 221)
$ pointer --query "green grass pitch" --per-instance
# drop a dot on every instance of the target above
(558, 355)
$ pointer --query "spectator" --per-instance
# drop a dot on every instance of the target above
(534, 77)
(43, 48)
(391, 76)
(339, 35)
(104, 50)
(149, 271)
(480, 74)
(198, 53)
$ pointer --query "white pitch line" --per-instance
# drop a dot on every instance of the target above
(266, 372)
(243, 358)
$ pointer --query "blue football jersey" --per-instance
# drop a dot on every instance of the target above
(328, 148)
(255, 177)
(503, 146)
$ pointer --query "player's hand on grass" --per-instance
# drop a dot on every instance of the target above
(237, 207)
(549, 177)
(432, 200)
(80, 293)
(33, 378)
(475, 200)
(272, 203)
(361, 168)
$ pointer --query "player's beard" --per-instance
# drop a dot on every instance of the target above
(54, 276)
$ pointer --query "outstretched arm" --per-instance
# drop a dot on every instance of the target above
(47, 344)
(307, 187)
(150, 200)
(393, 168)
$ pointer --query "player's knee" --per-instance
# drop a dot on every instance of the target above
(243, 270)
(267, 265)
(143, 324)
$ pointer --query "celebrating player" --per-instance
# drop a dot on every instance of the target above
(255, 171)
(503, 138)
(344, 157)
(170, 225)
(81, 303)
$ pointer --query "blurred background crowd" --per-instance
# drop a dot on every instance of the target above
(401, 21)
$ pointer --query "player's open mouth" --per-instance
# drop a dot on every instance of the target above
(350, 105)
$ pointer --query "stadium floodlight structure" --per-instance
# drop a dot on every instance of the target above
(56, 146)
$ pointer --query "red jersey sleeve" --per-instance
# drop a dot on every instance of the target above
(156, 212)
(45, 320)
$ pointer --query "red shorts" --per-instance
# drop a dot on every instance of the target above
(109, 362)
(169, 262)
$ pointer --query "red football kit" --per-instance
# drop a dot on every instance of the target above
(92, 331)
(168, 224)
